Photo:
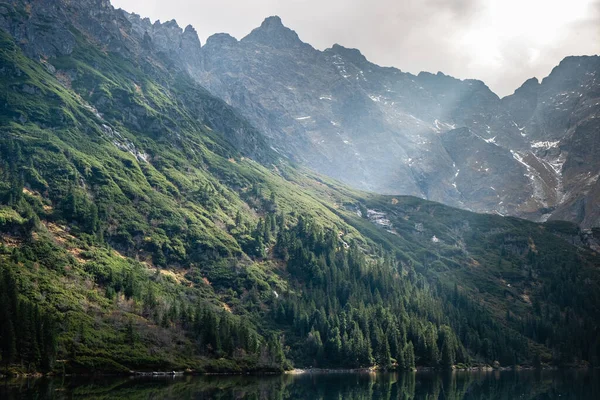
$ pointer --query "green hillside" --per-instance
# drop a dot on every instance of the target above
(144, 225)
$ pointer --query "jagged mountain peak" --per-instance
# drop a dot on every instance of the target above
(522, 103)
(169, 24)
(530, 85)
(579, 60)
(351, 54)
(190, 38)
(220, 40)
(338, 48)
(273, 33)
(190, 29)
(531, 82)
(272, 22)
(382, 130)
(440, 78)
(135, 17)
(571, 69)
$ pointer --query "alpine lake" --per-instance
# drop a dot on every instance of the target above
(480, 385)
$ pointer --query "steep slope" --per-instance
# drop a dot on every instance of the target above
(332, 110)
(144, 225)
(561, 119)
(384, 130)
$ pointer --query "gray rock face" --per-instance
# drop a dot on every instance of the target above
(42, 28)
(181, 46)
(560, 118)
(533, 154)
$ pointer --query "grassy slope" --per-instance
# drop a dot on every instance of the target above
(182, 204)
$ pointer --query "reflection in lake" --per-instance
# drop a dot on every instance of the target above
(562, 385)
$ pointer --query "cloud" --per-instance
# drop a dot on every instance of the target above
(502, 42)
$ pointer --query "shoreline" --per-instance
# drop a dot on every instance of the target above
(301, 371)
(296, 371)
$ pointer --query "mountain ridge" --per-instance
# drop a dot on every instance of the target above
(415, 162)
(408, 114)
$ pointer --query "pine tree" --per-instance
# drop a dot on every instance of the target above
(448, 348)
(314, 346)
(130, 333)
(432, 352)
(276, 357)
(8, 345)
(384, 359)
(409, 356)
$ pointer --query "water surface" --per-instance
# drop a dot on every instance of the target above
(563, 385)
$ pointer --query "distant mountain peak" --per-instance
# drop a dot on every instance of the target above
(190, 29)
(271, 22)
(531, 81)
(190, 40)
(571, 67)
(274, 34)
(351, 54)
(172, 23)
(530, 85)
(220, 40)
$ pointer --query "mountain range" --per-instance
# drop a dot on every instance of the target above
(532, 154)
(171, 206)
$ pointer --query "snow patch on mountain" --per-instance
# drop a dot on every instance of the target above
(537, 182)
(379, 218)
(442, 126)
(544, 145)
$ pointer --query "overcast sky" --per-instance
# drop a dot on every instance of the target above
(502, 42)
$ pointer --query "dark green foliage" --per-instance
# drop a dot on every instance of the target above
(353, 311)
(28, 334)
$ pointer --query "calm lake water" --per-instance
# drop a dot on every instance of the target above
(561, 385)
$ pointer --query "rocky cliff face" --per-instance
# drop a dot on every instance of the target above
(533, 154)
(560, 120)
